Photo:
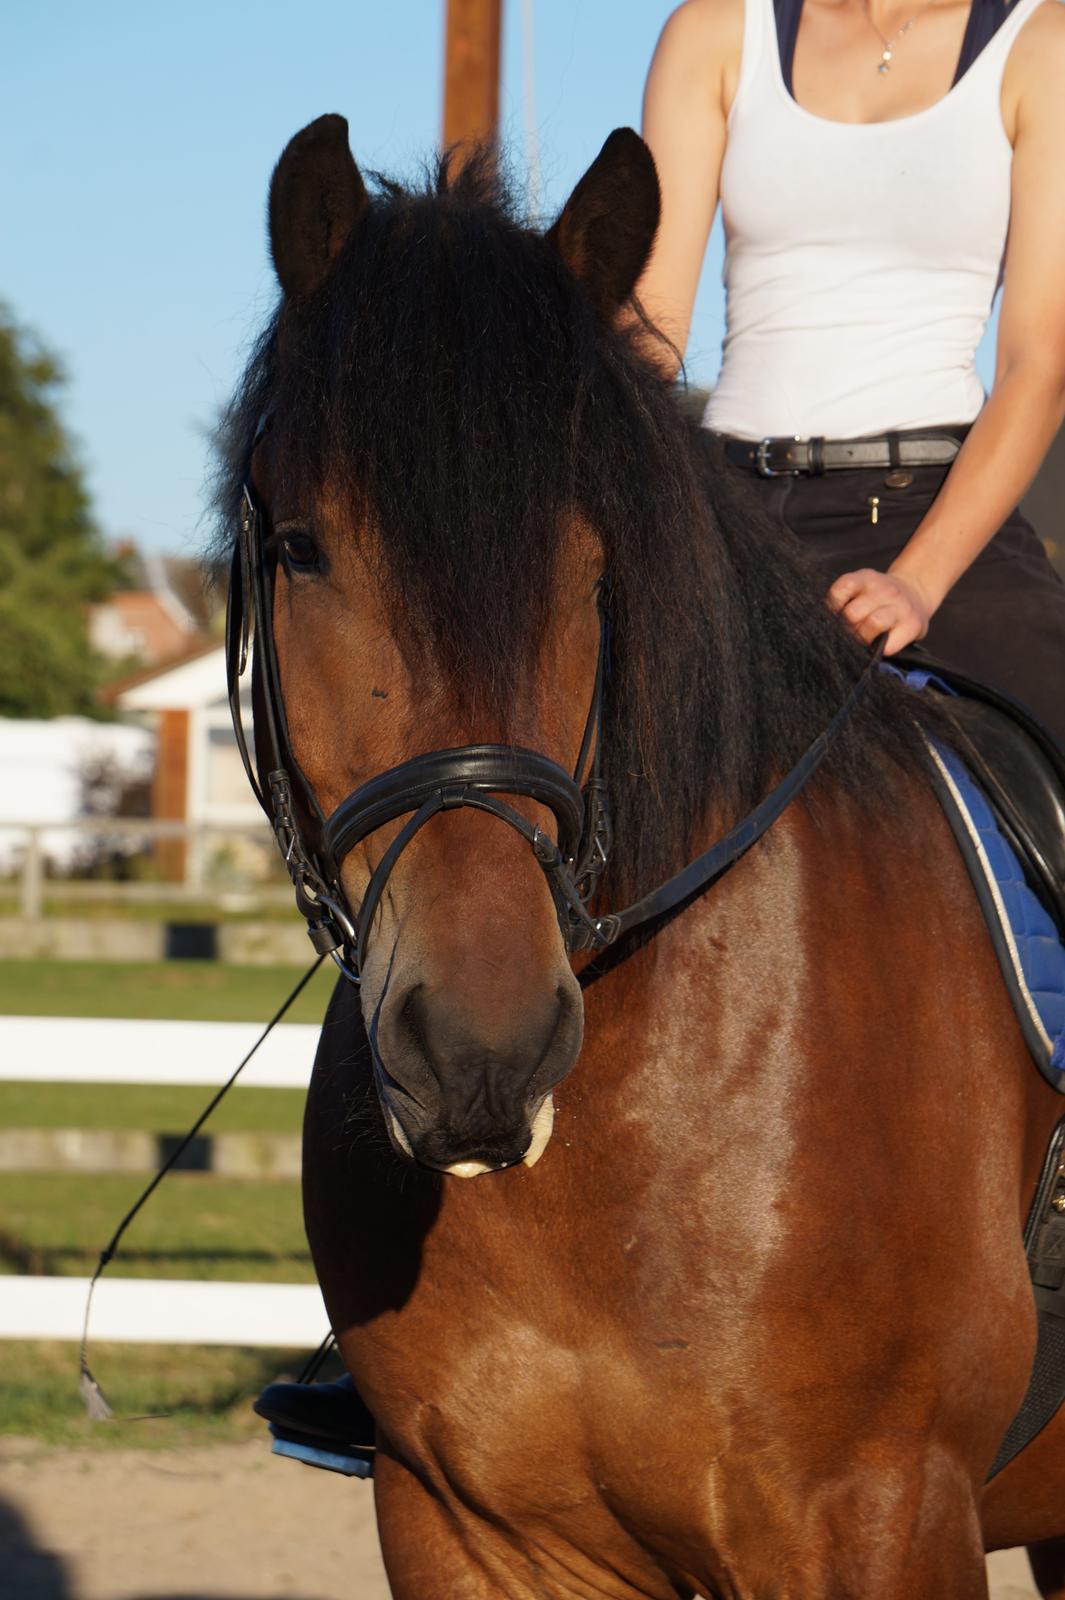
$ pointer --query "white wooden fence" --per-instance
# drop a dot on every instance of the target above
(142, 1310)
(26, 846)
(165, 1311)
(127, 1050)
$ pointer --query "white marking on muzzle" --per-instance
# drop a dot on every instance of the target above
(543, 1123)
(396, 1131)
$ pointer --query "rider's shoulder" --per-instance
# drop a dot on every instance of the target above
(1036, 67)
(711, 28)
(1040, 45)
(1046, 22)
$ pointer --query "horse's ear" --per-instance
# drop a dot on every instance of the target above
(607, 227)
(316, 198)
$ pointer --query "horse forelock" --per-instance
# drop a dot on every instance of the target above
(457, 384)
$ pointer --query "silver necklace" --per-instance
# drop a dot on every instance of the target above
(888, 52)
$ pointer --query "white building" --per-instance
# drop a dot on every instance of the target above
(45, 766)
(199, 776)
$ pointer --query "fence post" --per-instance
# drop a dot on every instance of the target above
(195, 859)
(33, 877)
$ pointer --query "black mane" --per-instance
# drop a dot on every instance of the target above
(452, 376)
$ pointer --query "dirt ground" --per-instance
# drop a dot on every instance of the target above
(225, 1522)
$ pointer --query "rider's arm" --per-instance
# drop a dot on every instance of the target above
(685, 107)
(1011, 436)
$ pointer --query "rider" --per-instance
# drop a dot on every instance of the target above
(868, 156)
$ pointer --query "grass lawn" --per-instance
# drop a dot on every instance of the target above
(206, 1392)
(224, 908)
(149, 1108)
(204, 991)
(195, 1226)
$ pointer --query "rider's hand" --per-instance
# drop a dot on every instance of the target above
(882, 602)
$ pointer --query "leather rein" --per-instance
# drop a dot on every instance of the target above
(472, 776)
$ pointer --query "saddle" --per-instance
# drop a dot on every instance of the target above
(1016, 762)
(1000, 780)
(1019, 791)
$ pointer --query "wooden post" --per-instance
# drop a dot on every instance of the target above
(170, 790)
(32, 897)
(471, 72)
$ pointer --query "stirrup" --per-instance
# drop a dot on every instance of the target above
(317, 1452)
(323, 1425)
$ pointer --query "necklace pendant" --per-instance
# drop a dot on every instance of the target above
(885, 62)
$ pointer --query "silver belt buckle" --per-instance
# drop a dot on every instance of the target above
(763, 468)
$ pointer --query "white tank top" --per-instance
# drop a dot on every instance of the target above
(861, 259)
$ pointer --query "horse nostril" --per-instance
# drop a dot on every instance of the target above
(412, 1019)
(451, 1034)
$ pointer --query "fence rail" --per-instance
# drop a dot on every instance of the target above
(165, 1311)
(135, 1050)
(33, 885)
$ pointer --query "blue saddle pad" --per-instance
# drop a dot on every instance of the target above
(1032, 946)
(1025, 937)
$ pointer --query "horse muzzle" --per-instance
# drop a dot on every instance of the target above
(459, 1106)
(524, 1149)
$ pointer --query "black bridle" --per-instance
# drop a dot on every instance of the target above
(471, 776)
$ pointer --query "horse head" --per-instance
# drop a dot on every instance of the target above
(435, 571)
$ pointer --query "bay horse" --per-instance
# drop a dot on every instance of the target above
(751, 1319)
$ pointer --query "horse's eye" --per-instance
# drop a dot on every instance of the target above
(300, 552)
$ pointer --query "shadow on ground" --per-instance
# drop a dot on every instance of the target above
(30, 1573)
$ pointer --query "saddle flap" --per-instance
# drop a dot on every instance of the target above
(1020, 769)
(1024, 791)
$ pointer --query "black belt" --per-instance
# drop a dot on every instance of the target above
(782, 458)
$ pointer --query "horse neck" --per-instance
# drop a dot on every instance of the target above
(736, 1004)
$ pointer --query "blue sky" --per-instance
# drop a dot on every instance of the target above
(139, 141)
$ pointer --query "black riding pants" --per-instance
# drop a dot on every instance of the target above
(1004, 619)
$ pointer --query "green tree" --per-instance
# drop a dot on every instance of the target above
(52, 561)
